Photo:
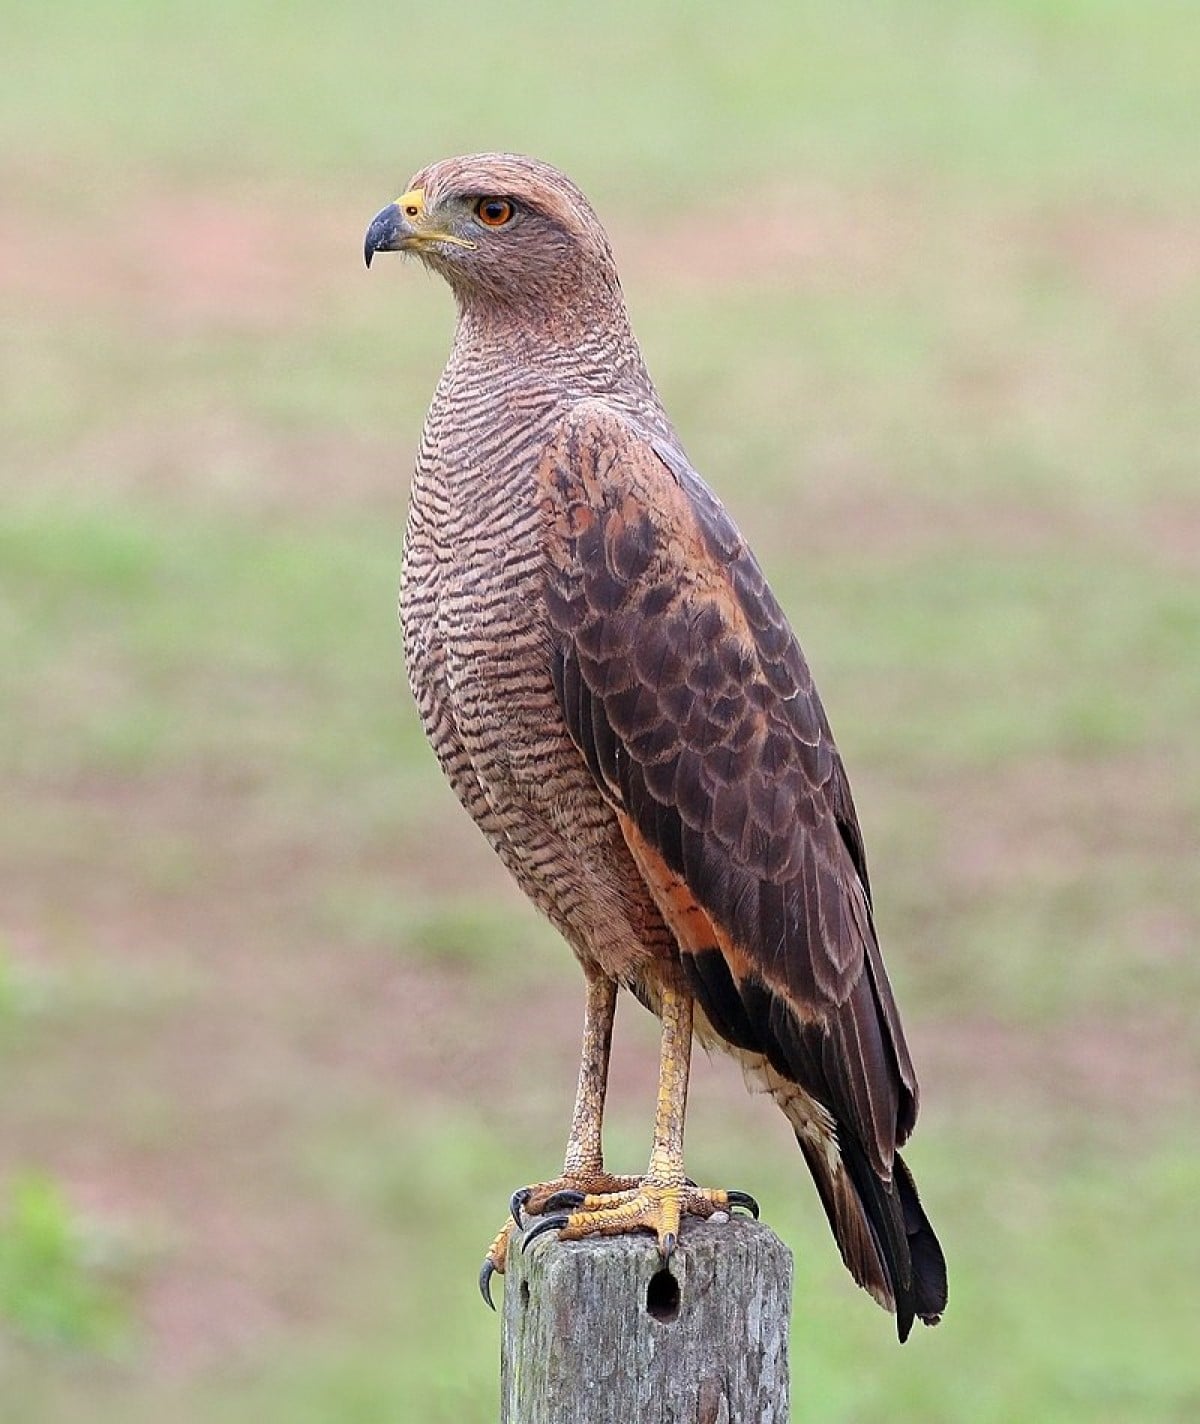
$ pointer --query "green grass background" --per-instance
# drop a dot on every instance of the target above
(920, 284)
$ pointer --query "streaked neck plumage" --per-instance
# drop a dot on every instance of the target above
(571, 340)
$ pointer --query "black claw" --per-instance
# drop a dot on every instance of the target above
(744, 1199)
(545, 1223)
(668, 1246)
(559, 1200)
(486, 1272)
(517, 1201)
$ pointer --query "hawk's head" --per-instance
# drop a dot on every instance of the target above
(500, 227)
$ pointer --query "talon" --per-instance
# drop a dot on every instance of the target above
(744, 1199)
(486, 1272)
(547, 1223)
(667, 1246)
(517, 1201)
(567, 1199)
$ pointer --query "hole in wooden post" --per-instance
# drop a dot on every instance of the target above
(524, 1294)
(662, 1296)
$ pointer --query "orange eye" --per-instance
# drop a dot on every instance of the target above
(494, 212)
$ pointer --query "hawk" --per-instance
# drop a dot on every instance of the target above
(617, 698)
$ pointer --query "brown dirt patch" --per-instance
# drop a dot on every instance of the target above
(820, 237)
(1106, 1079)
(1136, 258)
(826, 238)
(1171, 527)
(224, 462)
(1067, 817)
(178, 262)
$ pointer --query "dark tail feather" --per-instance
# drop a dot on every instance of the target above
(882, 1232)
(924, 1249)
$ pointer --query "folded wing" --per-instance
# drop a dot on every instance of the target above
(687, 694)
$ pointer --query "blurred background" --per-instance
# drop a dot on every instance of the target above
(920, 284)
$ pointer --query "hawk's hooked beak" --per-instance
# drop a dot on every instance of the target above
(390, 231)
(400, 227)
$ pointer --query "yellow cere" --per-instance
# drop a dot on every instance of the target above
(412, 203)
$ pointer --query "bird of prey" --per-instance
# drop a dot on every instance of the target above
(618, 700)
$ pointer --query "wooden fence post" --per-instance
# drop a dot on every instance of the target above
(598, 1332)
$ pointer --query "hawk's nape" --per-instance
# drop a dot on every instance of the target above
(618, 700)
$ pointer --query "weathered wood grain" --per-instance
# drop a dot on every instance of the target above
(594, 1332)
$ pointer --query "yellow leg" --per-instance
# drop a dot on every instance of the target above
(583, 1166)
(674, 1068)
(659, 1201)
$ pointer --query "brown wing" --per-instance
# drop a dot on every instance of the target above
(688, 696)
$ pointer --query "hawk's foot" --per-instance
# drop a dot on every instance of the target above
(649, 1206)
(532, 1201)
